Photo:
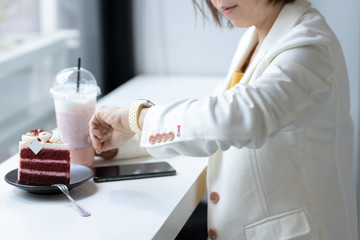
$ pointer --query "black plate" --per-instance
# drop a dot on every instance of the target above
(78, 175)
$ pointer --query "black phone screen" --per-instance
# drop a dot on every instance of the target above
(132, 171)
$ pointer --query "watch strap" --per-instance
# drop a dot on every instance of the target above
(134, 112)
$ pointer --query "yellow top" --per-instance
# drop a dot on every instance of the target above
(235, 78)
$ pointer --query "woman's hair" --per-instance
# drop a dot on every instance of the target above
(217, 16)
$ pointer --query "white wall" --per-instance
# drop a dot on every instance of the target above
(169, 40)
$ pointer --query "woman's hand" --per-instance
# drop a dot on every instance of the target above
(110, 154)
(109, 128)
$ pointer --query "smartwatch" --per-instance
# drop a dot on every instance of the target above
(134, 112)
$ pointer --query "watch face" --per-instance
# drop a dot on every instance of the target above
(147, 103)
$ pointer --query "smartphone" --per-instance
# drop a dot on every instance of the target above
(132, 171)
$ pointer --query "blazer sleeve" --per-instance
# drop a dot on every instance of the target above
(290, 92)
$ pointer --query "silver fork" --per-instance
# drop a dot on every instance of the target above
(65, 190)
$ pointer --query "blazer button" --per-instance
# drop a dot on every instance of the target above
(212, 234)
(158, 138)
(214, 197)
(164, 137)
(152, 139)
(171, 136)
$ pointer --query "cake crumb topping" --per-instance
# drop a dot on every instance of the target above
(42, 136)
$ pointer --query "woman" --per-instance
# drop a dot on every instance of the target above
(278, 131)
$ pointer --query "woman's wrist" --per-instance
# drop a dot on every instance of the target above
(125, 120)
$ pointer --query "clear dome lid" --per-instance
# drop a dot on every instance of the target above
(72, 82)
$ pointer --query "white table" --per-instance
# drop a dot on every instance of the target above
(153, 208)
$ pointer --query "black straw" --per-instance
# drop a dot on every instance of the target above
(78, 75)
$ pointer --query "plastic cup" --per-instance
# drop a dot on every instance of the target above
(74, 107)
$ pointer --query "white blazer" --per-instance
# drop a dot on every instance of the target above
(280, 141)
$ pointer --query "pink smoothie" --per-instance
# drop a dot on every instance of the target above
(84, 156)
(74, 125)
(75, 91)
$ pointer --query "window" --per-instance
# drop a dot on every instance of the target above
(38, 38)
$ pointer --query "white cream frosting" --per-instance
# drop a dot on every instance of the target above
(26, 138)
(45, 138)
(56, 137)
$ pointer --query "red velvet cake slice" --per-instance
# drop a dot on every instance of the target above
(48, 166)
